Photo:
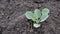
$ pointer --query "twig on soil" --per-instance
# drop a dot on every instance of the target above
(13, 22)
(19, 18)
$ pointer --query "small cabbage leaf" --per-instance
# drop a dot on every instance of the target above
(45, 11)
(43, 18)
(36, 25)
(37, 13)
(29, 15)
(34, 19)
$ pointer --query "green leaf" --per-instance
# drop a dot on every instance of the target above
(37, 13)
(45, 11)
(34, 19)
(30, 15)
(36, 25)
(43, 18)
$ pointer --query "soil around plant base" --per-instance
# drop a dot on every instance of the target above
(13, 20)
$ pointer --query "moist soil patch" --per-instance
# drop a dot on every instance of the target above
(13, 20)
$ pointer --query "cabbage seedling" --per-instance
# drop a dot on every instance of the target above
(38, 16)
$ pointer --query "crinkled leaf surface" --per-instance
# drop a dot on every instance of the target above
(45, 11)
(37, 13)
(29, 15)
(43, 18)
(36, 25)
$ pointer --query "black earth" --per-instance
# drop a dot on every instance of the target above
(13, 20)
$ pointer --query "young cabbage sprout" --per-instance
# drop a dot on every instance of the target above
(38, 16)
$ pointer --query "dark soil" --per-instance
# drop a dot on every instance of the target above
(13, 20)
